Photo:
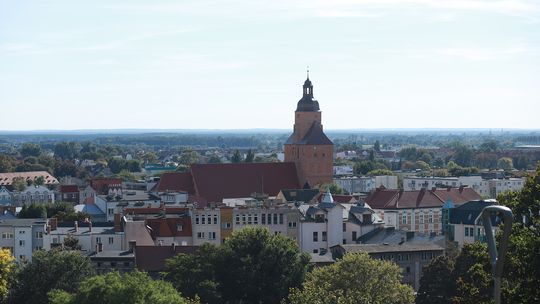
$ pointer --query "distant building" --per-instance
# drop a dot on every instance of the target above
(22, 237)
(6, 179)
(420, 210)
(465, 222)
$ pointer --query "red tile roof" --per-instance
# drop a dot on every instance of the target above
(398, 199)
(217, 181)
(176, 181)
(167, 227)
(152, 258)
(102, 185)
(69, 188)
(6, 179)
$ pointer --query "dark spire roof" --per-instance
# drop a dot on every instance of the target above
(315, 136)
(308, 103)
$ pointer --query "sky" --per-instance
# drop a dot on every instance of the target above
(240, 64)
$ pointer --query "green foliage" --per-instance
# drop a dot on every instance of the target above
(214, 159)
(19, 183)
(30, 149)
(113, 288)
(6, 163)
(236, 158)
(195, 274)
(49, 270)
(436, 284)
(505, 163)
(33, 211)
(377, 146)
(333, 188)
(249, 156)
(66, 150)
(64, 212)
(356, 278)
(463, 155)
(6, 272)
(378, 172)
(71, 243)
(252, 266)
(365, 166)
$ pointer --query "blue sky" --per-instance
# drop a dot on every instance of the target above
(240, 64)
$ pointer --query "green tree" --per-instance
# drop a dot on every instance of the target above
(30, 149)
(214, 159)
(409, 154)
(356, 278)
(19, 183)
(363, 167)
(71, 243)
(116, 164)
(505, 163)
(236, 158)
(113, 288)
(195, 274)
(252, 266)
(188, 157)
(6, 163)
(54, 269)
(463, 155)
(249, 156)
(377, 146)
(436, 284)
(377, 172)
(6, 272)
(66, 150)
(33, 211)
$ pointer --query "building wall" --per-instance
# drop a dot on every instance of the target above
(206, 226)
(422, 220)
(226, 215)
(23, 243)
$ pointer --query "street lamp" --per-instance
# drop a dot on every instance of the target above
(497, 257)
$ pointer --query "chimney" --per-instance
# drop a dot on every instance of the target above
(117, 222)
(76, 226)
(53, 222)
(132, 245)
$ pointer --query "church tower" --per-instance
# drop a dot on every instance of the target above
(308, 146)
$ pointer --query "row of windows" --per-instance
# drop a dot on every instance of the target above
(266, 219)
(202, 235)
(316, 236)
(203, 219)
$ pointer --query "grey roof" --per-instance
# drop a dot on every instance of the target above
(469, 212)
(112, 254)
(299, 195)
(395, 237)
(315, 136)
(381, 248)
(321, 258)
(22, 222)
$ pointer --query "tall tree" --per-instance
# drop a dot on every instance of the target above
(436, 284)
(135, 287)
(356, 278)
(30, 149)
(236, 158)
(250, 156)
(6, 272)
(50, 270)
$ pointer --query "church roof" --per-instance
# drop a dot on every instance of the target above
(315, 136)
(307, 104)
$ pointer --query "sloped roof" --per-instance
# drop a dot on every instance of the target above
(399, 199)
(217, 181)
(176, 181)
(167, 227)
(69, 188)
(468, 212)
(315, 136)
(299, 195)
(7, 178)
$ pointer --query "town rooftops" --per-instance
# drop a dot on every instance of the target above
(16, 222)
(299, 195)
(69, 189)
(398, 199)
(383, 248)
(7, 178)
(176, 181)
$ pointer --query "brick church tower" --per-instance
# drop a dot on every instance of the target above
(308, 146)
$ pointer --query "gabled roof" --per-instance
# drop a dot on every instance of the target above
(167, 227)
(7, 178)
(217, 181)
(399, 199)
(299, 195)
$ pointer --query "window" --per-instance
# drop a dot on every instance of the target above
(315, 236)
(227, 225)
(430, 218)
(203, 220)
(179, 227)
(113, 264)
(466, 231)
(281, 218)
(243, 219)
(315, 250)
(209, 219)
(200, 235)
(22, 232)
(408, 269)
(98, 240)
(39, 234)
(324, 236)
(421, 216)
(196, 219)
(237, 219)
(21, 243)
(211, 235)
(344, 226)
(263, 219)
(292, 224)
(39, 247)
(7, 235)
(215, 219)
(275, 219)
(110, 211)
(126, 264)
(404, 218)
(255, 219)
(354, 236)
(111, 240)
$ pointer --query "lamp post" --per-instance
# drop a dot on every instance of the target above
(496, 257)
